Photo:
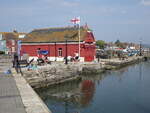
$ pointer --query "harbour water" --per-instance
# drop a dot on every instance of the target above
(122, 91)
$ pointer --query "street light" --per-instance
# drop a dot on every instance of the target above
(140, 47)
(55, 51)
(98, 56)
(66, 60)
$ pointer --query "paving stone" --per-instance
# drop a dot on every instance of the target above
(10, 100)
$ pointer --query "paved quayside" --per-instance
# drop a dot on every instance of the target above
(31, 101)
(16, 95)
(10, 100)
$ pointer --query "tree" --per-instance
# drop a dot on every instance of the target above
(100, 44)
(120, 44)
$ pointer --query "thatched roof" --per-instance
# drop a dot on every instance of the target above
(55, 35)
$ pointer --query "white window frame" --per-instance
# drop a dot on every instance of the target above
(13, 49)
(60, 52)
(13, 42)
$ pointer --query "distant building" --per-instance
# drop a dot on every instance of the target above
(9, 40)
(56, 40)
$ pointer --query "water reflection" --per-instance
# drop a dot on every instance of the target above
(140, 71)
(87, 91)
(112, 90)
(78, 93)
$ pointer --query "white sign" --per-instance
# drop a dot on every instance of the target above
(21, 36)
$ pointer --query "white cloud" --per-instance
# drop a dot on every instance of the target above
(70, 4)
(123, 12)
(65, 3)
(145, 2)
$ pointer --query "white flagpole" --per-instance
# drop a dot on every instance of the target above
(79, 37)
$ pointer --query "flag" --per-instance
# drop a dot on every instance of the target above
(76, 20)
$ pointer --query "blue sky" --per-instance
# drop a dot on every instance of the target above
(126, 20)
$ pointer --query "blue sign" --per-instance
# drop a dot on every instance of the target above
(44, 52)
(19, 47)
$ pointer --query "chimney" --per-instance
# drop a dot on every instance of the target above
(15, 31)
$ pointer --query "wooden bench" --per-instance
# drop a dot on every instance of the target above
(23, 63)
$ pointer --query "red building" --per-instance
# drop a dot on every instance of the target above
(59, 42)
(11, 41)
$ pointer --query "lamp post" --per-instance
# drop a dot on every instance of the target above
(140, 47)
(98, 56)
(66, 60)
(55, 51)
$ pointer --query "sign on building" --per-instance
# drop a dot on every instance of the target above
(19, 47)
(21, 36)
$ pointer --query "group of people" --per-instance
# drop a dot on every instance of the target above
(43, 59)
(73, 59)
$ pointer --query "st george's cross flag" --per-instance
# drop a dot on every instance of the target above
(76, 20)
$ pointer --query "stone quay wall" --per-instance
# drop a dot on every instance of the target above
(57, 73)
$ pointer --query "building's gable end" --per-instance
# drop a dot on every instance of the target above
(89, 37)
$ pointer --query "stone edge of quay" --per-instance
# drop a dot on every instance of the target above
(31, 101)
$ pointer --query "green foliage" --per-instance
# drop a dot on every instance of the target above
(120, 44)
(100, 44)
(117, 43)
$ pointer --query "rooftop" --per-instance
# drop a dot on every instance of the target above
(55, 34)
(11, 35)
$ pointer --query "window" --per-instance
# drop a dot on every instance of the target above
(60, 52)
(13, 42)
(38, 51)
(13, 49)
